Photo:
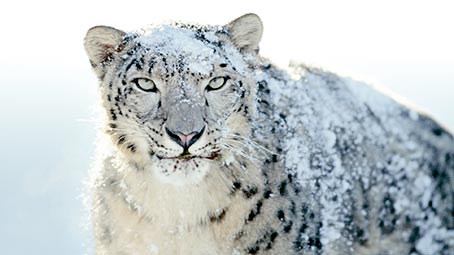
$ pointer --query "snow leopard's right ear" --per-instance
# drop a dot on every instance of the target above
(246, 32)
(101, 43)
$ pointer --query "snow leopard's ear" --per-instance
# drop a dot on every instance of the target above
(101, 43)
(246, 32)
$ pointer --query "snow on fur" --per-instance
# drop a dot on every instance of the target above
(326, 164)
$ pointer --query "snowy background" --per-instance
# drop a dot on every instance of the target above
(48, 91)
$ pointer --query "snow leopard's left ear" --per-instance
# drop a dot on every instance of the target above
(246, 32)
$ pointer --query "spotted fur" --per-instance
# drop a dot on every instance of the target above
(278, 165)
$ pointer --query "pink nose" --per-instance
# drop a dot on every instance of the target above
(185, 140)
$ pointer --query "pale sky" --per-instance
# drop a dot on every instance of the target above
(404, 45)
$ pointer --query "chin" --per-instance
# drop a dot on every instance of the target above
(180, 170)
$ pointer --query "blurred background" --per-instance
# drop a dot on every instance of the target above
(48, 91)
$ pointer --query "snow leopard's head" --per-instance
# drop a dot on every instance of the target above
(178, 97)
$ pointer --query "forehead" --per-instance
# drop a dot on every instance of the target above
(194, 49)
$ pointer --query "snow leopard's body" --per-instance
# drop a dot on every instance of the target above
(313, 164)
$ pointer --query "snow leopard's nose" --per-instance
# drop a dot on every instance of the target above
(185, 140)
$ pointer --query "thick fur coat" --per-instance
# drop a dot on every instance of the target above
(213, 150)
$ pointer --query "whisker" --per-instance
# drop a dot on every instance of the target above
(244, 154)
(252, 143)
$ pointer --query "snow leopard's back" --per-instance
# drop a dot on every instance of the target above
(373, 176)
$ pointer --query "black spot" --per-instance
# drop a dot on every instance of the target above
(121, 139)
(255, 211)
(359, 235)
(290, 178)
(250, 191)
(119, 110)
(253, 250)
(239, 108)
(318, 243)
(267, 194)
(238, 235)
(93, 64)
(264, 102)
(303, 227)
(288, 226)
(414, 236)
(243, 93)
(237, 185)
(138, 66)
(281, 215)
(304, 208)
(387, 217)
(298, 245)
(218, 218)
(413, 250)
(246, 109)
(314, 241)
(105, 234)
(132, 147)
(223, 65)
(283, 188)
(437, 131)
(293, 207)
(311, 215)
(263, 87)
(151, 67)
(133, 62)
(113, 115)
(311, 241)
(272, 238)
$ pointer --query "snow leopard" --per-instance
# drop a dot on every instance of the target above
(209, 148)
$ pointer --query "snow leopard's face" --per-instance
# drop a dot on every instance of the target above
(177, 97)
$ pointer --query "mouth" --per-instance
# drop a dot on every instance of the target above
(188, 156)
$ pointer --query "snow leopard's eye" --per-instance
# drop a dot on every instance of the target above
(217, 83)
(145, 84)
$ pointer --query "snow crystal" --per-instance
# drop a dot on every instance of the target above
(424, 182)
(236, 252)
(154, 249)
(414, 115)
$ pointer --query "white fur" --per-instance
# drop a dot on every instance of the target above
(177, 227)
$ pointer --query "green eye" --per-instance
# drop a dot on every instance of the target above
(217, 83)
(145, 84)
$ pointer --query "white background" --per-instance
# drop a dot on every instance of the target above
(48, 90)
